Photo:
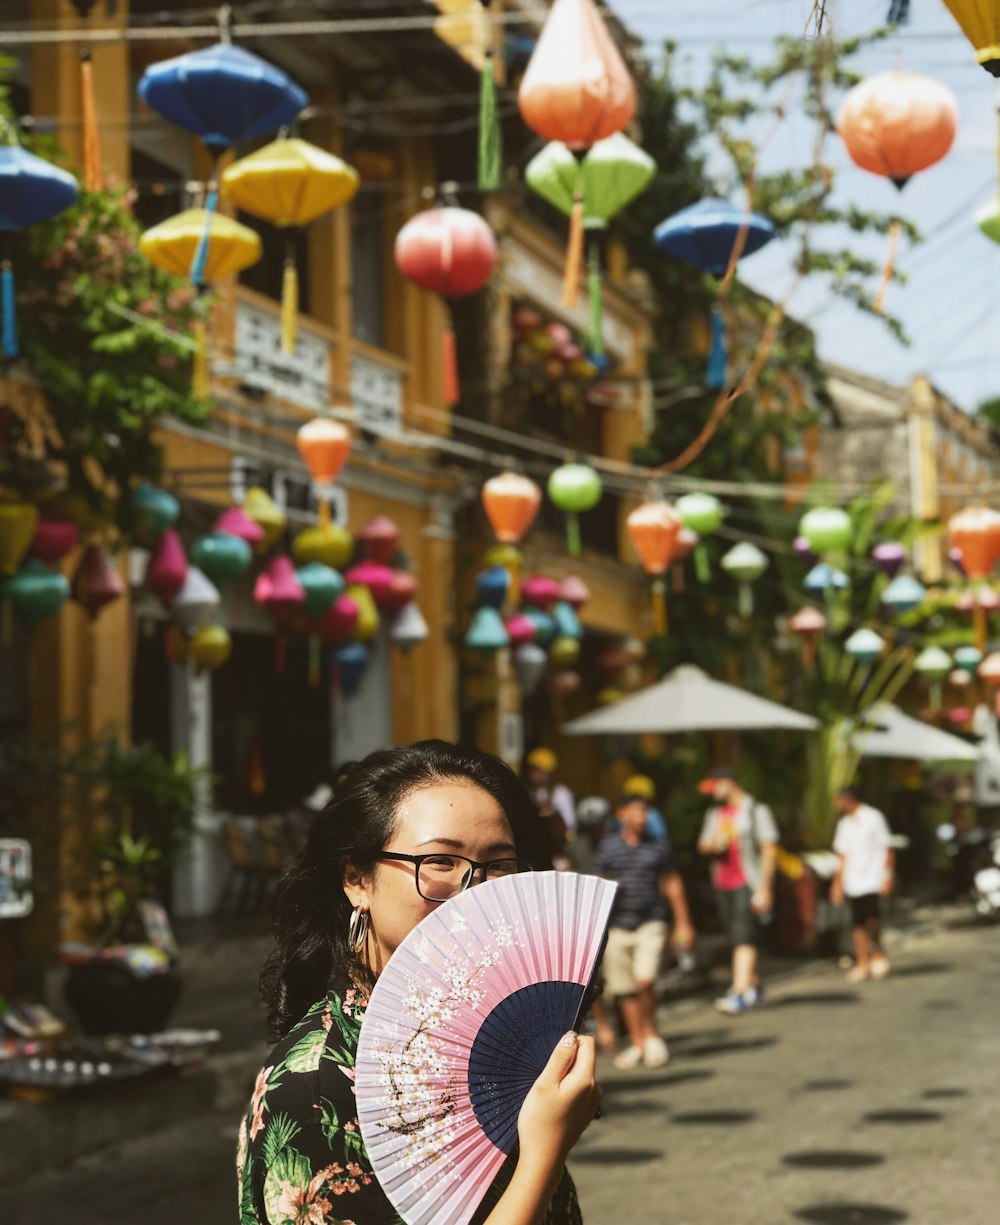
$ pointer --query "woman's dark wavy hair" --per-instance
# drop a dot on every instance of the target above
(311, 910)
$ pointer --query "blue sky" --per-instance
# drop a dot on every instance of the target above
(950, 304)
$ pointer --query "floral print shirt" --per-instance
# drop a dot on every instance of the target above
(301, 1159)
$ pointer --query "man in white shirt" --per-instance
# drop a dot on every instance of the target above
(864, 876)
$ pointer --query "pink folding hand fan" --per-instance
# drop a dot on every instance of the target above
(460, 1023)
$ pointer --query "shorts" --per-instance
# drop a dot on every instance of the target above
(737, 916)
(864, 909)
(632, 958)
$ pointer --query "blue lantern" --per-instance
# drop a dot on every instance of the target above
(968, 659)
(903, 594)
(31, 190)
(352, 664)
(492, 587)
(487, 633)
(704, 234)
(567, 622)
(824, 580)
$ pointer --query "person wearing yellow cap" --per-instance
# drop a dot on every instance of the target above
(643, 788)
(553, 800)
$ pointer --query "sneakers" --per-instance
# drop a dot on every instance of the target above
(858, 974)
(631, 1057)
(655, 1053)
(879, 967)
(732, 1005)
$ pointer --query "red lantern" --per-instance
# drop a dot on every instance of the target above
(54, 538)
(540, 591)
(338, 622)
(380, 540)
(449, 251)
(278, 589)
(511, 503)
(402, 591)
(378, 579)
(97, 581)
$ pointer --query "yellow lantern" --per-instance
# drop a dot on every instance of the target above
(210, 648)
(367, 624)
(18, 521)
(328, 543)
(172, 246)
(289, 183)
(268, 515)
(980, 22)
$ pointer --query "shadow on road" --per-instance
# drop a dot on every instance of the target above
(617, 1156)
(732, 1047)
(714, 1118)
(832, 1159)
(900, 1118)
(822, 999)
(637, 1084)
(942, 1005)
(940, 1095)
(851, 1214)
(826, 1086)
(922, 968)
(632, 1106)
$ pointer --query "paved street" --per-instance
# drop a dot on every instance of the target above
(832, 1106)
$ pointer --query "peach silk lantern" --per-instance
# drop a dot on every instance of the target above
(511, 502)
(975, 531)
(324, 446)
(653, 529)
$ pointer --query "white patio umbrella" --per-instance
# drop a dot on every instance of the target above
(887, 732)
(688, 700)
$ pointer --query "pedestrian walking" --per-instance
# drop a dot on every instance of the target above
(864, 876)
(739, 833)
(554, 802)
(647, 876)
(644, 787)
(408, 829)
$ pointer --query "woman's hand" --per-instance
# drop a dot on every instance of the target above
(561, 1102)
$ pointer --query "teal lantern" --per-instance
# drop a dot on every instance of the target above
(701, 513)
(933, 664)
(574, 489)
(968, 659)
(904, 594)
(36, 592)
(745, 563)
(487, 633)
(825, 581)
(567, 622)
(221, 557)
(828, 529)
(544, 623)
(153, 511)
(322, 585)
(865, 646)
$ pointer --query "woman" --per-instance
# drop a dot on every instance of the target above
(408, 828)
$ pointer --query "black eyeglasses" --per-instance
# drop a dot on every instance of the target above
(440, 877)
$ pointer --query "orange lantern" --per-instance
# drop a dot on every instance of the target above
(324, 446)
(576, 89)
(896, 124)
(511, 502)
(975, 532)
(654, 529)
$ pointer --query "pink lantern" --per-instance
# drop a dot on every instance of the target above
(520, 629)
(54, 538)
(377, 578)
(278, 589)
(564, 684)
(168, 567)
(402, 592)
(379, 540)
(574, 592)
(540, 591)
(97, 582)
(236, 522)
(978, 597)
(338, 622)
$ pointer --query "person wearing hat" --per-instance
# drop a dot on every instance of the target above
(740, 835)
(553, 800)
(644, 787)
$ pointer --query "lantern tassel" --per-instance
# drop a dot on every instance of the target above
(9, 307)
(323, 513)
(201, 251)
(981, 623)
(315, 660)
(573, 541)
(660, 608)
(92, 178)
(890, 267)
(809, 653)
(200, 385)
(718, 356)
(449, 368)
(746, 601)
(702, 567)
(574, 252)
(595, 301)
(490, 134)
(289, 305)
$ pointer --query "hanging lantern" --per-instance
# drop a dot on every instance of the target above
(97, 582)
(53, 539)
(958, 678)
(540, 591)
(989, 670)
(209, 648)
(896, 124)
(492, 586)
(530, 662)
(409, 629)
(153, 511)
(221, 556)
(565, 684)
(653, 529)
(320, 585)
(804, 551)
(237, 523)
(701, 513)
(328, 543)
(544, 623)
(611, 174)
(278, 589)
(502, 555)
(889, 557)
(32, 190)
(487, 633)
(564, 653)
(289, 183)
(904, 594)
(574, 592)
(823, 581)
(197, 602)
(980, 22)
(18, 524)
(379, 540)
(978, 598)
(369, 621)
(339, 621)
(745, 563)
(976, 533)
(687, 543)
(827, 529)
(574, 489)
(402, 592)
(933, 664)
(808, 623)
(511, 503)
(351, 661)
(167, 567)
(449, 251)
(324, 446)
(261, 508)
(378, 579)
(35, 592)
(706, 234)
(520, 630)
(968, 659)
(567, 622)
(865, 646)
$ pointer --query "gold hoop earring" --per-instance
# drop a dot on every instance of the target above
(357, 929)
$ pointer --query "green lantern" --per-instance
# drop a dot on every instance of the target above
(36, 592)
(968, 659)
(610, 176)
(701, 513)
(322, 585)
(153, 511)
(544, 623)
(221, 557)
(828, 529)
(745, 563)
(988, 220)
(933, 664)
(574, 488)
